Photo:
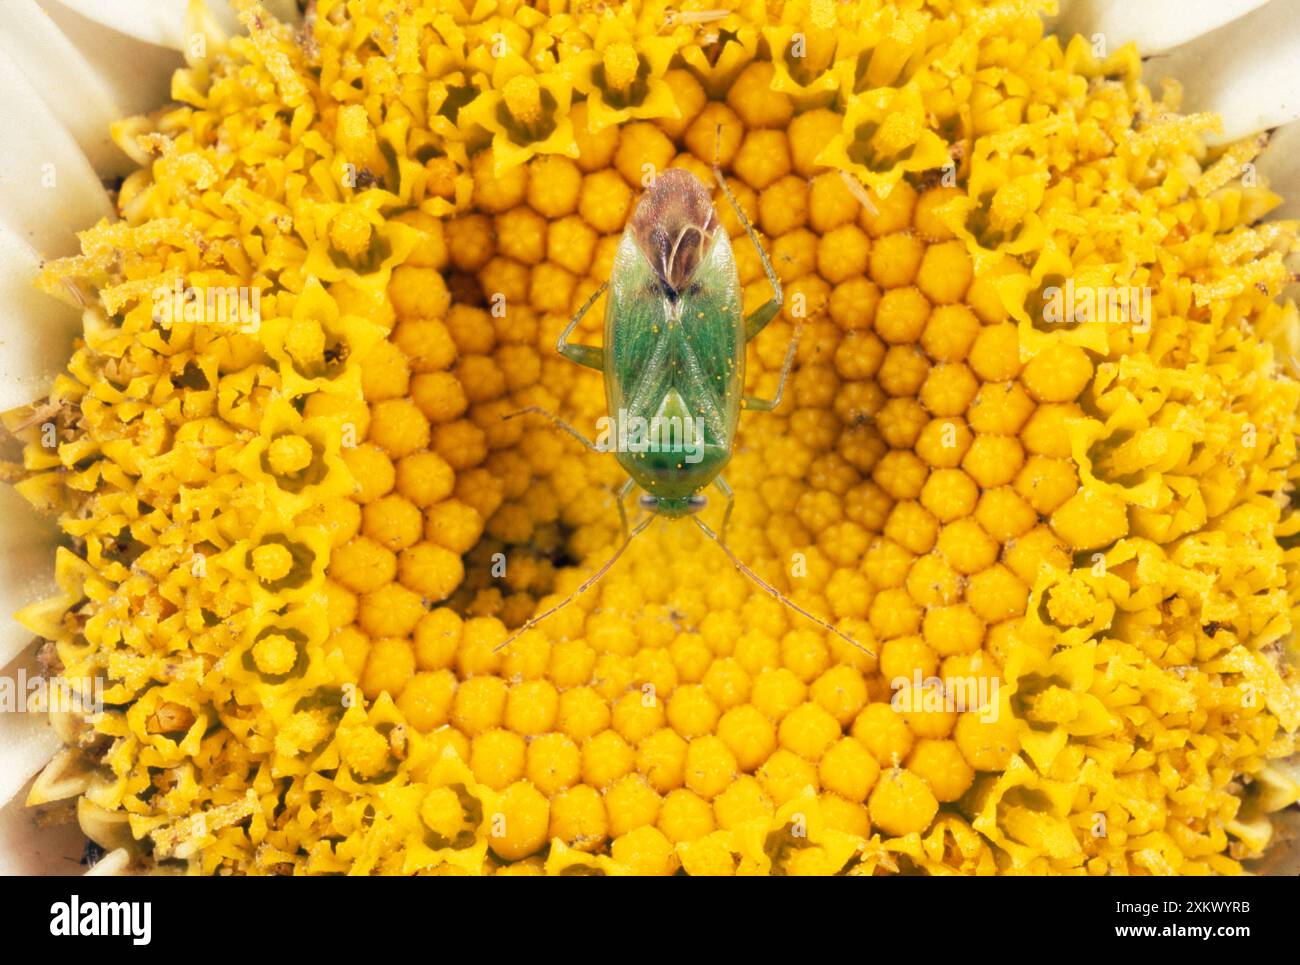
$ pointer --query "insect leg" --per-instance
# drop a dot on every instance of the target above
(557, 422)
(621, 497)
(587, 585)
(769, 589)
(767, 405)
(726, 513)
(588, 355)
(764, 313)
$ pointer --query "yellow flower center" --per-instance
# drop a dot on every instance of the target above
(350, 232)
(1013, 201)
(275, 654)
(272, 562)
(364, 750)
(621, 64)
(354, 133)
(1055, 705)
(679, 716)
(822, 14)
(1070, 603)
(899, 131)
(441, 812)
(305, 341)
(289, 454)
(523, 97)
(302, 731)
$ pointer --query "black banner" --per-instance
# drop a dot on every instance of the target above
(146, 916)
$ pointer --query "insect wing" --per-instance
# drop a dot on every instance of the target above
(711, 352)
(636, 322)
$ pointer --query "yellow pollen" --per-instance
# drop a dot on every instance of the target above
(1013, 201)
(289, 454)
(364, 750)
(621, 63)
(350, 232)
(353, 125)
(442, 813)
(1070, 603)
(272, 562)
(1055, 705)
(900, 130)
(303, 730)
(305, 341)
(822, 14)
(275, 654)
(523, 98)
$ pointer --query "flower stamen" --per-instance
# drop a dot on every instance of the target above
(621, 65)
(523, 99)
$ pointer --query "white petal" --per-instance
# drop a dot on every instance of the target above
(27, 741)
(1154, 25)
(27, 542)
(1247, 71)
(70, 87)
(48, 190)
(162, 22)
(1279, 165)
(27, 546)
(92, 77)
(27, 849)
(113, 864)
(36, 331)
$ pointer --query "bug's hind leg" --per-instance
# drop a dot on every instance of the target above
(726, 491)
(557, 422)
(620, 497)
(767, 405)
(591, 356)
(757, 320)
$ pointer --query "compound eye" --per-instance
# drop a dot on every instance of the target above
(649, 502)
(697, 502)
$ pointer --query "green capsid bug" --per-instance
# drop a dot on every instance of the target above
(674, 363)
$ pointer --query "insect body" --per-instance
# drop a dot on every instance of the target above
(674, 360)
(675, 341)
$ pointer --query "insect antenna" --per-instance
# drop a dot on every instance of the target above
(586, 585)
(773, 591)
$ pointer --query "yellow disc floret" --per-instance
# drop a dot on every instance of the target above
(289, 454)
(272, 561)
(275, 654)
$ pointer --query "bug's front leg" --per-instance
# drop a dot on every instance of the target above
(725, 489)
(757, 320)
(767, 405)
(588, 355)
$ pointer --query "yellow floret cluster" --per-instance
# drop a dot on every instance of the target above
(1066, 548)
